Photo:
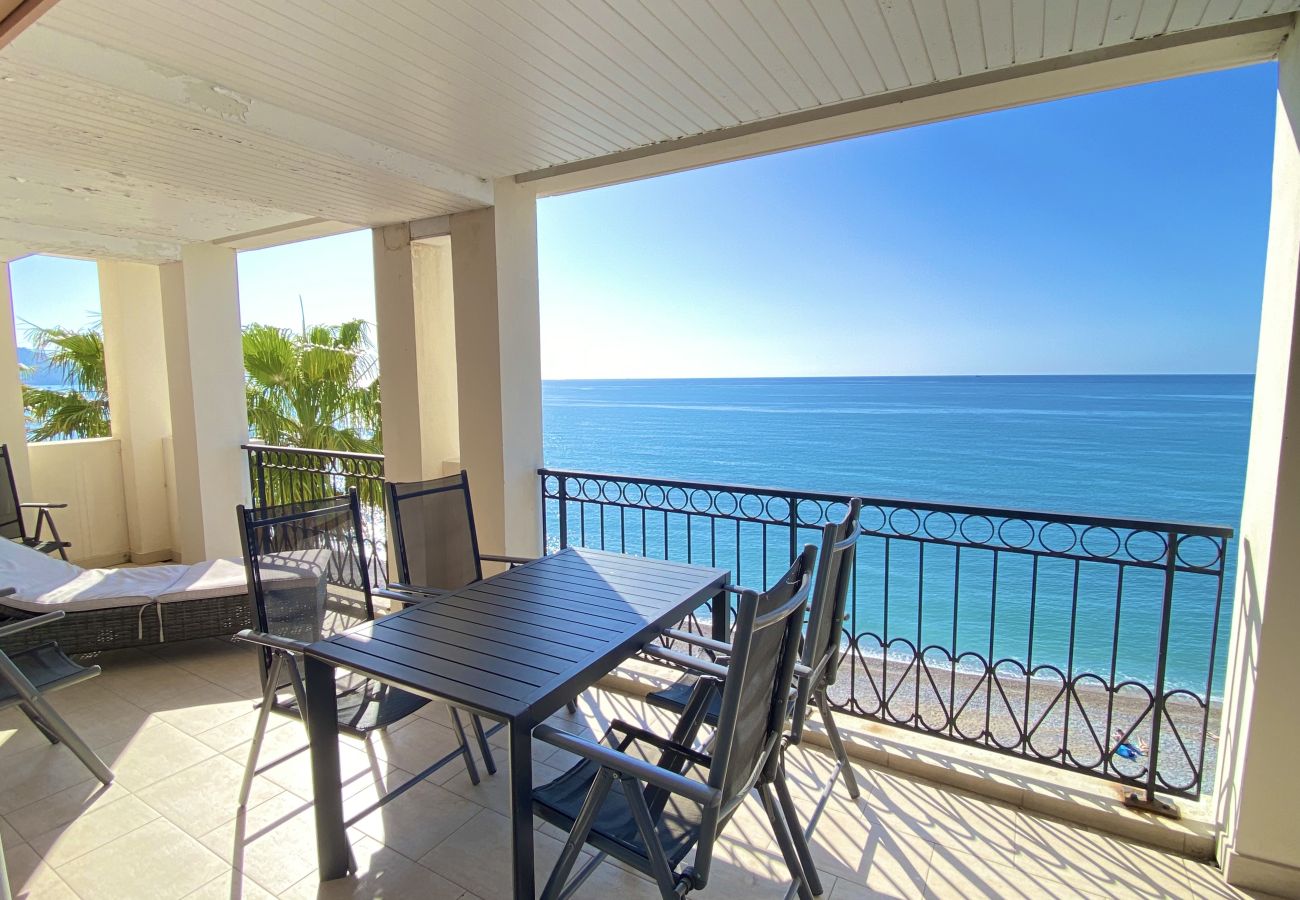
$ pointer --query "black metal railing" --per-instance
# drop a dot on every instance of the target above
(1083, 642)
(292, 474)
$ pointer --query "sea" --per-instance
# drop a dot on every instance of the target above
(1163, 447)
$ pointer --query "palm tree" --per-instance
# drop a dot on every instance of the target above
(80, 411)
(317, 390)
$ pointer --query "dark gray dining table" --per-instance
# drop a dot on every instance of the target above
(514, 648)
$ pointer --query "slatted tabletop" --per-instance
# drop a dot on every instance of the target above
(528, 638)
(516, 648)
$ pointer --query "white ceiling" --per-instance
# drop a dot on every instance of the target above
(132, 126)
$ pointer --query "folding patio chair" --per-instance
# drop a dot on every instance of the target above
(308, 579)
(13, 525)
(821, 651)
(649, 801)
(437, 551)
(26, 676)
(437, 543)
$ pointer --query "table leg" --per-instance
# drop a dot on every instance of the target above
(521, 808)
(326, 783)
(721, 611)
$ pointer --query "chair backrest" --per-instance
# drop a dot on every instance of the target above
(304, 561)
(11, 514)
(433, 527)
(821, 647)
(756, 693)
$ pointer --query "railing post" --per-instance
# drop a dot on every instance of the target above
(261, 478)
(562, 491)
(1148, 801)
(794, 527)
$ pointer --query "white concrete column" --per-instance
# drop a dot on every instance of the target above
(135, 357)
(205, 373)
(416, 340)
(13, 424)
(1258, 790)
(498, 352)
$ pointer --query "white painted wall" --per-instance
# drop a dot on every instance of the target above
(135, 357)
(86, 475)
(1258, 791)
(13, 427)
(416, 341)
(498, 361)
(205, 372)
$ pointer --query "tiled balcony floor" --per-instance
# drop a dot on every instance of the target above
(174, 725)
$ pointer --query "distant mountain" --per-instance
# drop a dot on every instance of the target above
(40, 372)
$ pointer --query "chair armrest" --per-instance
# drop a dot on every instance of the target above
(33, 622)
(627, 765)
(682, 660)
(271, 641)
(690, 637)
(39, 505)
(513, 560)
(662, 743)
(407, 593)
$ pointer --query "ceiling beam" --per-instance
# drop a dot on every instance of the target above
(84, 244)
(48, 49)
(291, 233)
(15, 17)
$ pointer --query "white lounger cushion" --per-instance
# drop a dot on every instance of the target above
(43, 584)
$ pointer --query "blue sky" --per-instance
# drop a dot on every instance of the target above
(1117, 232)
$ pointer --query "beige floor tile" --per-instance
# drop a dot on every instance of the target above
(238, 731)
(231, 885)
(477, 856)
(148, 684)
(8, 834)
(923, 810)
(957, 875)
(93, 829)
(416, 821)
(152, 754)
(1206, 881)
(58, 809)
(204, 796)
(274, 843)
(381, 873)
(493, 791)
(203, 708)
(31, 878)
(416, 744)
(1047, 848)
(17, 734)
(38, 773)
(872, 857)
(155, 862)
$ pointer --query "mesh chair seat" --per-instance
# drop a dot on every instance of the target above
(367, 706)
(614, 831)
(47, 667)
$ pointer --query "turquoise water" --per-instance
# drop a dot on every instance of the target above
(1156, 447)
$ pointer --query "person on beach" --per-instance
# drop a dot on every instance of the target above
(1126, 749)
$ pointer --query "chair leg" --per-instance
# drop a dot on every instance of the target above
(600, 786)
(797, 836)
(837, 745)
(786, 842)
(63, 731)
(263, 715)
(40, 725)
(464, 746)
(572, 707)
(489, 762)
